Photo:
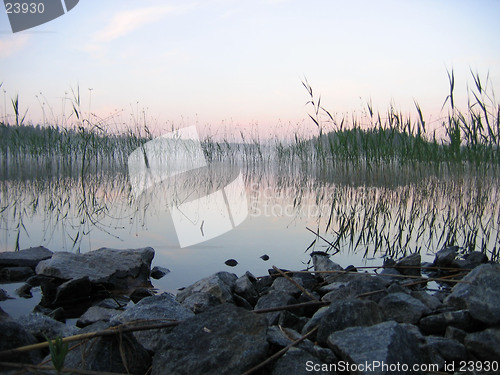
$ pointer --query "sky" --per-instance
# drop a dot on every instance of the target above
(237, 65)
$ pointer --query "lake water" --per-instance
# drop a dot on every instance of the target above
(364, 213)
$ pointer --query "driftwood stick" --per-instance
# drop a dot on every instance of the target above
(291, 307)
(280, 353)
(304, 290)
(64, 370)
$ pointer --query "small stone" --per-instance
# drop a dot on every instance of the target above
(24, 291)
(158, 272)
(265, 257)
(140, 293)
(231, 262)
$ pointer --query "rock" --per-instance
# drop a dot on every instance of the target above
(158, 272)
(161, 308)
(388, 342)
(455, 333)
(315, 319)
(118, 302)
(480, 294)
(116, 269)
(322, 262)
(485, 345)
(409, 265)
(432, 302)
(299, 362)
(231, 263)
(274, 299)
(198, 302)
(70, 294)
(24, 291)
(446, 257)
(95, 314)
(290, 320)
(4, 316)
(436, 324)
(24, 258)
(244, 287)
(13, 335)
(403, 308)
(140, 293)
(224, 340)
(347, 313)
(443, 350)
(474, 259)
(263, 284)
(220, 285)
(4, 295)
(15, 274)
(118, 353)
(282, 284)
(42, 326)
(264, 257)
(360, 284)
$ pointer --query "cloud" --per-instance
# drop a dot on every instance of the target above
(12, 44)
(127, 21)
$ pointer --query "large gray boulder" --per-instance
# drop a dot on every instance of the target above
(24, 258)
(225, 340)
(387, 343)
(409, 265)
(347, 313)
(403, 308)
(155, 309)
(360, 284)
(116, 269)
(219, 285)
(480, 294)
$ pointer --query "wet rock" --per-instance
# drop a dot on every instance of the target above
(120, 353)
(158, 272)
(299, 362)
(403, 308)
(436, 324)
(264, 257)
(446, 257)
(474, 259)
(485, 345)
(24, 258)
(387, 342)
(224, 340)
(480, 294)
(347, 313)
(15, 274)
(117, 302)
(13, 335)
(163, 307)
(95, 314)
(117, 269)
(360, 284)
(231, 263)
(409, 265)
(140, 293)
(441, 350)
(219, 285)
(274, 299)
(42, 326)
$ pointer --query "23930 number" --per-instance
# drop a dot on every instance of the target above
(24, 8)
